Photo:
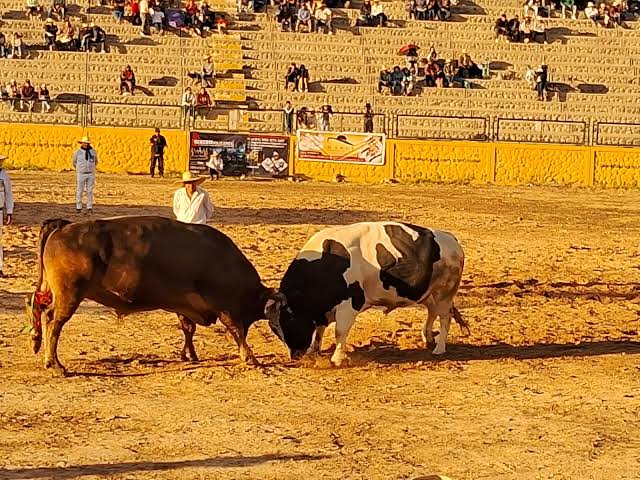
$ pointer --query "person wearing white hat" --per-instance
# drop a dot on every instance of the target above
(591, 12)
(191, 203)
(6, 206)
(85, 161)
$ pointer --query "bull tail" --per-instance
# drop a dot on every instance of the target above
(464, 326)
(42, 297)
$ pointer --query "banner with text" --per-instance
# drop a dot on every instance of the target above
(228, 154)
(345, 147)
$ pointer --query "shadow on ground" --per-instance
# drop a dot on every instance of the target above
(106, 469)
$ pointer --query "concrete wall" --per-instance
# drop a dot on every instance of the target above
(126, 150)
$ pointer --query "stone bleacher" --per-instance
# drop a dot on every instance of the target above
(594, 72)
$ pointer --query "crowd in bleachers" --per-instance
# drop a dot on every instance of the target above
(430, 71)
(24, 97)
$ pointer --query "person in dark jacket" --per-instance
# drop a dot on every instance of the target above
(368, 118)
(50, 33)
(158, 144)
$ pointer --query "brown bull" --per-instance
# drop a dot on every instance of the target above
(137, 264)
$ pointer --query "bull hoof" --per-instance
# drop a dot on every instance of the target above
(57, 370)
(439, 350)
(251, 360)
(340, 361)
(36, 343)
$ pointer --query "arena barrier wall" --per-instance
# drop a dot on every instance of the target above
(126, 150)
(120, 150)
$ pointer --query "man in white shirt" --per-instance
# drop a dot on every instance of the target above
(85, 160)
(6, 205)
(191, 203)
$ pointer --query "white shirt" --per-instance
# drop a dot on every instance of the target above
(144, 7)
(323, 14)
(188, 99)
(157, 17)
(376, 9)
(6, 194)
(82, 164)
(197, 209)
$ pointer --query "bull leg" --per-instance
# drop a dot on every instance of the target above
(444, 313)
(316, 343)
(345, 316)
(427, 329)
(188, 328)
(55, 318)
(239, 335)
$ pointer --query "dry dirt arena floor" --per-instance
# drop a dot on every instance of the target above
(546, 386)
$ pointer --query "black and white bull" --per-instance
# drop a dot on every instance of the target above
(346, 270)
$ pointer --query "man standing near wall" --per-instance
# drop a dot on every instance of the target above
(158, 144)
(191, 203)
(6, 205)
(85, 160)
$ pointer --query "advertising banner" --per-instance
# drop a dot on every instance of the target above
(344, 147)
(258, 155)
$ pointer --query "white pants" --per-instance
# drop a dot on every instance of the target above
(86, 182)
(1, 255)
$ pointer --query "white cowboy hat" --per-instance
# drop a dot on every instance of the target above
(188, 177)
(85, 139)
(3, 157)
(590, 4)
(49, 20)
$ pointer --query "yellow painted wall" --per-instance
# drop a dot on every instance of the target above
(617, 167)
(126, 150)
(441, 161)
(518, 164)
(119, 150)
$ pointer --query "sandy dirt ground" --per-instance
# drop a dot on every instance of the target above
(546, 386)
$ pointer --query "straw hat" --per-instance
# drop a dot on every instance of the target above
(49, 20)
(188, 177)
(590, 4)
(3, 157)
(85, 139)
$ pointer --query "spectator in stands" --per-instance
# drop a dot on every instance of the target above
(304, 18)
(526, 28)
(433, 54)
(203, 102)
(291, 77)
(538, 7)
(408, 82)
(207, 73)
(418, 9)
(326, 112)
(540, 31)
(13, 94)
(50, 33)
(378, 15)
(44, 97)
(246, 6)
(570, 5)
(287, 15)
(364, 18)
(430, 73)
(432, 10)
(188, 103)
(191, 16)
(221, 24)
(591, 12)
(541, 79)
(452, 73)
(127, 81)
(324, 19)
(16, 45)
(118, 10)
(66, 35)
(134, 5)
(95, 36)
(33, 9)
(287, 117)
(158, 143)
(303, 79)
(58, 8)
(397, 81)
(157, 20)
(145, 18)
(384, 80)
(305, 118)
(444, 10)
(368, 118)
(4, 50)
(468, 68)
(615, 14)
(513, 28)
(28, 95)
(501, 28)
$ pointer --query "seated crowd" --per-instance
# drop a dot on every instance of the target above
(298, 16)
(429, 72)
(429, 9)
(513, 30)
(606, 15)
(24, 97)
(86, 38)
